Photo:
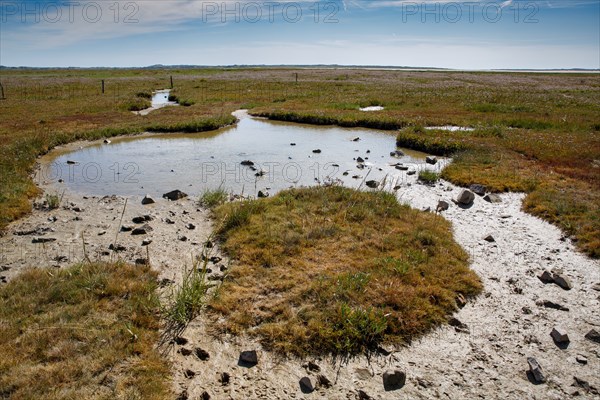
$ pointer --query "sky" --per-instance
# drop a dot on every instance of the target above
(491, 34)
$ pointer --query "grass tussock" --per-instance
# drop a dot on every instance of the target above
(429, 177)
(335, 270)
(88, 331)
(213, 197)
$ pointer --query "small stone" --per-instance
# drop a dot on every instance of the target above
(593, 335)
(362, 395)
(169, 221)
(393, 380)
(202, 354)
(262, 194)
(292, 144)
(458, 325)
(183, 238)
(356, 139)
(146, 242)
(141, 261)
(562, 281)
(117, 248)
(442, 206)
(142, 230)
(71, 162)
(313, 367)
(205, 396)
(489, 238)
(180, 340)
(372, 184)
(465, 197)
(141, 219)
(249, 357)
(183, 395)
(249, 163)
(106, 141)
(492, 198)
(402, 167)
(536, 370)
(360, 160)
(316, 151)
(546, 277)
(188, 373)
(43, 240)
(174, 195)
(551, 304)
(411, 172)
(431, 160)
(190, 226)
(559, 335)
(148, 200)
(225, 378)
(581, 359)
(306, 385)
(478, 189)
(323, 381)
(185, 351)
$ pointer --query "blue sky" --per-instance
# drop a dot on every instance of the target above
(489, 34)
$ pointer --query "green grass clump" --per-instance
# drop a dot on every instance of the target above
(185, 302)
(53, 200)
(433, 142)
(429, 177)
(212, 198)
(88, 331)
(336, 270)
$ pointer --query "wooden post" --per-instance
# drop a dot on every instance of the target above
(171, 81)
(1, 92)
(102, 86)
(296, 77)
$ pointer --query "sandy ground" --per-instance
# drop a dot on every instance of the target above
(487, 359)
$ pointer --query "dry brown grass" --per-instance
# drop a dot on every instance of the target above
(86, 332)
(335, 270)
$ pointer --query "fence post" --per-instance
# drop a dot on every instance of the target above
(1, 92)
(171, 81)
(102, 86)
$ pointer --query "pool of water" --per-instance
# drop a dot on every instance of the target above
(160, 98)
(283, 155)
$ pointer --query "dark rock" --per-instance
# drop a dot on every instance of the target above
(146, 242)
(356, 176)
(183, 238)
(551, 304)
(431, 160)
(141, 261)
(393, 380)
(188, 373)
(401, 167)
(411, 172)
(169, 221)
(536, 370)
(205, 396)
(249, 357)
(292, 144)
(180, 340)
(260, 173)
(317, 151)
(142, 219)
(202, 354)
(360, 160)
(106, 141)
(362, 395)
(174, 195)
(397, 153)
(249, 163)
(372, 184)
(465, 197)
(492, 198)
(117, 248)
(581, 359)
(562, 281)
(312, 366)
(77, 209)
(43, 240)
(306, 385)
(593, 335)
(215, 259)
(147, 200)
(458, 325)
(442, 206)
(478, 189)
(262, 194)
(356, 139)
(559, 335)
(225, 378)
(71, 162)
(185, 351)
(142, 230)
(190, 226)
(183, 395)
(546, 277)
(323, 381)
(489, 238)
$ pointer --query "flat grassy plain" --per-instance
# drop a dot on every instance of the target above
(537, 133)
